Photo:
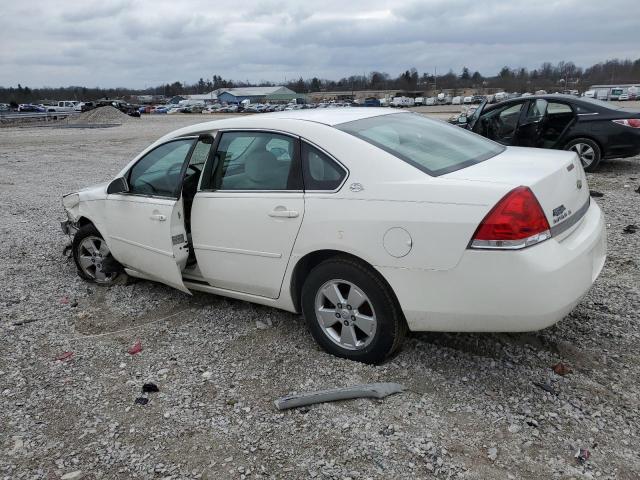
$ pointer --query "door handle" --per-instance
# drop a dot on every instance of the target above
(158, 217)
(282, 212)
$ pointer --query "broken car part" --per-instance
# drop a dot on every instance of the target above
(371, 390)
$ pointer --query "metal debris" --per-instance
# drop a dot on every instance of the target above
(371, 390)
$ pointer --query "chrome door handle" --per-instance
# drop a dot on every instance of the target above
(158, 217)
(282, 212)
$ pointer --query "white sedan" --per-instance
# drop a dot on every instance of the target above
(368, 221)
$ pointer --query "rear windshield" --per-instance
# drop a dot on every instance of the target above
(432, 146)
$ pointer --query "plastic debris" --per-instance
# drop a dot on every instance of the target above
(141, 401)
(150, 388)
(64, 300)
(630, 229)
(371, 390)
(492, 453)
(582, 455)
(136, 348)
(561, 369)
(596, 194)
(64, 356)
(546, 387)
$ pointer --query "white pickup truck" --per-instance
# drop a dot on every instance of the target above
(63, 106)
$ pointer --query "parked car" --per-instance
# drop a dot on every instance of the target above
(29, 107)
(368, 221)
(63, 106)
(431, 101)
(623, 97)
(593, 129)
(467, 100)
(456, 101)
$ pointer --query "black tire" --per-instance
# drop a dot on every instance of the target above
(390, 327)
(584, 144)
(78, 250)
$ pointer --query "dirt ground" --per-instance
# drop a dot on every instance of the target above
(478, 406)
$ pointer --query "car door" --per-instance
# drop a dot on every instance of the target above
(530, 128)
(500, 124)
(248, 211)
(145, 225)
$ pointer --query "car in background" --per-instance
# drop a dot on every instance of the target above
(478, 99)
(456, 101)
(431, 101)
(593, 129)
(623, 97)
(589, 94)
(467, 100)
(29, 107)
(367, 221)
(371, 102)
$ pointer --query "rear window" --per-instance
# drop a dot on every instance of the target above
(432, 146)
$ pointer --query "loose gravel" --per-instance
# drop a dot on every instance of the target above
(478, 406)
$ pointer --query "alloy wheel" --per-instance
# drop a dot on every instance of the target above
(585, 152)
(345, 314)
(92, 253)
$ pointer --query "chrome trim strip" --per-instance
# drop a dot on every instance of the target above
(572, 220)
(254, 253)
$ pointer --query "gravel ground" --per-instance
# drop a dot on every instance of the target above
(475, 406)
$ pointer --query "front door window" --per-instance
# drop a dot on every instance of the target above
(159, 172)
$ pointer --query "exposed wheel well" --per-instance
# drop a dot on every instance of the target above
(310, 260)
(82, 221)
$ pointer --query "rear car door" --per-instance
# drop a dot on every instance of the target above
(248, 211)
(146, 226)
(530, 127)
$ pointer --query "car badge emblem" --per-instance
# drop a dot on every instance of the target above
(356, 187)
(570, 167)
(579, 184)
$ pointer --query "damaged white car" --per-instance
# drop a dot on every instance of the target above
(368, 221)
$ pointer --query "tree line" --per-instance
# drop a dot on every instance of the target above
(551, 77)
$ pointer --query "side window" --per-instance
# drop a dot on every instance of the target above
(319, 171)
(255, 161)
(556, 108)
(158, 172)
(500, 124)
(536, 110)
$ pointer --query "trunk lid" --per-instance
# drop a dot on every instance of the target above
(555, 177)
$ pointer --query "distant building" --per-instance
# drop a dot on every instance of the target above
(257, 94)
(206, 98)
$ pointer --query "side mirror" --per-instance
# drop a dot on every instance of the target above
(119, 185)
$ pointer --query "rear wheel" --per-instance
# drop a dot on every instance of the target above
(92, 256)
(351, 312)
(588, 151)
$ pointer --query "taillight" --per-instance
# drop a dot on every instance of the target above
(517, 221)
(629, 122)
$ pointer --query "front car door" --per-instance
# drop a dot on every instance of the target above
(248, 211)
(146, 228)
(530, 128)
(500, 124)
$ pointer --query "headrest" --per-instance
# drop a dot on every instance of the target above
(260, 166)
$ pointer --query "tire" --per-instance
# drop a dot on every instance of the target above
(89, 260)
(588, 151)
(370, 330)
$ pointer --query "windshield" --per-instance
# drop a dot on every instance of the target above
(432, 146)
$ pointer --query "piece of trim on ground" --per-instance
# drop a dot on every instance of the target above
(371, 390)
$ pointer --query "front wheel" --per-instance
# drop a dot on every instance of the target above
(588, 152)
(92, 256)
(351, 312)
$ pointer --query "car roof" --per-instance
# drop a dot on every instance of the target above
(326, 116)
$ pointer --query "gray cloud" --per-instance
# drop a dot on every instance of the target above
(147, 42)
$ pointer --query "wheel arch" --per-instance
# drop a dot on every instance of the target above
(577, 136)
(312, 259)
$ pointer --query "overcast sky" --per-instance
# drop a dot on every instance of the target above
(138, 43)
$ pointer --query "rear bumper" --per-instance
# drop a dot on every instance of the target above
(509, 291)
